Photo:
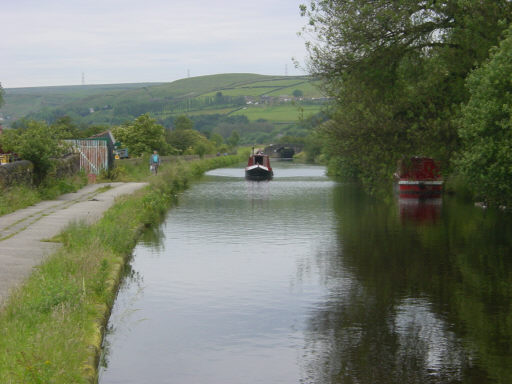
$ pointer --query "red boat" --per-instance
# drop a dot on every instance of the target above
(419, 177)
(258, 167)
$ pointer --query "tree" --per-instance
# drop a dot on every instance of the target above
(486, 128)
(67, 128)
(144, 135)
(234, 139)
(297, 93)
(183, 122)
(217, 139)
(396, 70)
(189, 141)
(38, 143)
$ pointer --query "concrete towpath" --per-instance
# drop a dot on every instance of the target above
(22, 233)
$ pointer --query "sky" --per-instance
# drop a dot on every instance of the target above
(55, 42)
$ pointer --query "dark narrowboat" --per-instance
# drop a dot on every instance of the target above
(258, 167)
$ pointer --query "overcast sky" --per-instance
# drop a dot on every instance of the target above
(52, 42)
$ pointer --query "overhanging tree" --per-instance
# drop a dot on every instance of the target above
(396, 70)
(486, 128)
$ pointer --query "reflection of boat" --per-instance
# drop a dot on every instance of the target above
(421, 211)
(258, 167)
(419, 177)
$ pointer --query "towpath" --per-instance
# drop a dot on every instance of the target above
(22, 233)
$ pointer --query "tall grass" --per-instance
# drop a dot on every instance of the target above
(22, 196)
(51, 328)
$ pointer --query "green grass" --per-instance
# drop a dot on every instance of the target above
(278, 113)
(242, 91)
(51, 327)
(309, 89)
(22, 196)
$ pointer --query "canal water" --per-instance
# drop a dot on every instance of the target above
(306, 280)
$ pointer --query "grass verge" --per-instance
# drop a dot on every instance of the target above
(51, 328)
(22, 196)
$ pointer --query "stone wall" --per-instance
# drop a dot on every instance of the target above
(19, 172)
(67, 166)
(22, 172)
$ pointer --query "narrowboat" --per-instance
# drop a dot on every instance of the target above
(258, 167)
(419, 177)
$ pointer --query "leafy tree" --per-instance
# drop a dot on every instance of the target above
(217, 139)
(38, 143)
(297, 93)
(67, 127)
(144, 135)
(189, 141)
(183, 122)
(234, 139)
(396, 70)
(486, 128)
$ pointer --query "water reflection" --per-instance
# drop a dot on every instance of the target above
(304, 280)
(417, 307)
(424, 211)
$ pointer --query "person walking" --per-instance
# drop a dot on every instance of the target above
(154, 162)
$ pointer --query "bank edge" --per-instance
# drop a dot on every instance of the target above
(51, 328)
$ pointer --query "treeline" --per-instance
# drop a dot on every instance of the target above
(42, 143)
(409, 78)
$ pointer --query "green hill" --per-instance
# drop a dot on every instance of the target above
(20, 102)
(279, 101)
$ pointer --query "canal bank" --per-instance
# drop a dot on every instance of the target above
(51, 328)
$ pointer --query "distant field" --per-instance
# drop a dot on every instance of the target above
(309, 89)
(242, 91)
(279, 113)
(278, 83)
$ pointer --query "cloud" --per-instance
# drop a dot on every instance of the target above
(94, 36)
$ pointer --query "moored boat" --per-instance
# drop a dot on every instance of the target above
(258, 167)
(419, 177)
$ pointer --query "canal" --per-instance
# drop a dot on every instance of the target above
(306, 280)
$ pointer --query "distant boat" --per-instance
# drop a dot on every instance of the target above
(258, 167)
(419, 177)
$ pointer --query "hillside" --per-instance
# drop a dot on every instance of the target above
(20, 102)
(278, 101)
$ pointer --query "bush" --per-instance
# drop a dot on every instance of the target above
(486, 126)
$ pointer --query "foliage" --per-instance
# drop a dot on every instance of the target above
(486, 128)
(217, 139)
(234, 139)
(38, 143)
(396, 70)
(189, 141)
(183, 122)
(22, 196)
(223, 96)
(143, 135)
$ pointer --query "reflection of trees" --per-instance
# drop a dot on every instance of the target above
(413, 303)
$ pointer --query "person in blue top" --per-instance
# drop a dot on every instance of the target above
(154, 162)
